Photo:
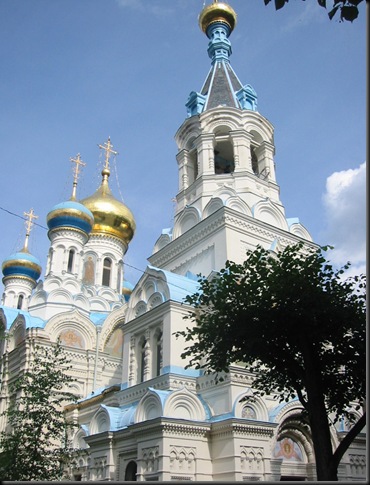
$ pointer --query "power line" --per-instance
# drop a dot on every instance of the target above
(125, 264)
(21, 217)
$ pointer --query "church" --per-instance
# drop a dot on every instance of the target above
(142, 415)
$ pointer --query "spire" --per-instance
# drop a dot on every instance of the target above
(222, 86)
(30, 216)
(76, 171)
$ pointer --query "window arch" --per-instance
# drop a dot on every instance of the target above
(107, 270)
(131, 471)
(20, 302)
(71, 258)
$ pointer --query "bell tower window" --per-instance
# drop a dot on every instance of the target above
(107, 269)
(193, 165)
(223, 152)
(254, 161)
(20, 302)
(71, 257)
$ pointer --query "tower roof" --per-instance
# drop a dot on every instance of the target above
(222, 86)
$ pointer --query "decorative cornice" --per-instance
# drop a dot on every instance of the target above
(232, 427)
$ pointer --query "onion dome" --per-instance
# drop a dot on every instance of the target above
(111, 217)
(71, 214)
(23, 264)
(217, 12)
(127, 289)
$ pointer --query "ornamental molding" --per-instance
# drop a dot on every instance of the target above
(187, 241)
(108, 241)
(232, 429)
(66, 232)
(180, 429)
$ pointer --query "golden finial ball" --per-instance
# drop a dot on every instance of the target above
(217, 12)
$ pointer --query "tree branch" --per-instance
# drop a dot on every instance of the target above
(347, 440)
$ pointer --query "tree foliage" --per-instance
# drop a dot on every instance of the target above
(35, 444)
(347, 9)
(295, 322)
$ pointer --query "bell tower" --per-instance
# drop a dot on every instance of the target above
(228, 199)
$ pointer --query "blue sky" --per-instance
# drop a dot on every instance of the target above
(74, 72)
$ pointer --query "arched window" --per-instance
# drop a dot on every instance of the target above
(107, 266)
(71, 257)
(142, 361)
(20, 302)
(254, 161)
(159, 354)
(224, 158)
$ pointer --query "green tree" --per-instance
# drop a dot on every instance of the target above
(35, 444)
(297, 324)
(347, 9)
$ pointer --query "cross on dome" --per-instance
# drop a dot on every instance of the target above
(76, 172)
(108, 147)
(30, 216)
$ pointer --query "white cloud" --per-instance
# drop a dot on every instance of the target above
(345, 208)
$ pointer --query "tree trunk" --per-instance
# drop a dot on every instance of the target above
(317, 414)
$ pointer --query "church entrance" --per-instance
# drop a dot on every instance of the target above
(131, 470)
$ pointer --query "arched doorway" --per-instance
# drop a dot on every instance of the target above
(131, 470)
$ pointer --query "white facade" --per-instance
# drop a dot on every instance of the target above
(142, 415)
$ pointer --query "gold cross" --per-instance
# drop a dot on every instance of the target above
(29, 221)
(76, 168)
(108, 152)
(76, 172)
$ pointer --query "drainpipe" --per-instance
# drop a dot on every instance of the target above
(98, 330)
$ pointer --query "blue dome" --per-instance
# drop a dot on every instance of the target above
(127, 288)
(22, 264)
(70, 214)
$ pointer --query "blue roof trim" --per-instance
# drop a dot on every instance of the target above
(221, 417)
(293, 220)
(179, 286)
(163, 395)
(11, 314)
(98, 318)
(174, 369)
(275, 411)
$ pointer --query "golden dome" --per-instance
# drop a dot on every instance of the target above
(111, 217)
(217, 12)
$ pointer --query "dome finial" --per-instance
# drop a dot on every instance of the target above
(108, 152)
(30, 216)
(76, 172)
(217, 12)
